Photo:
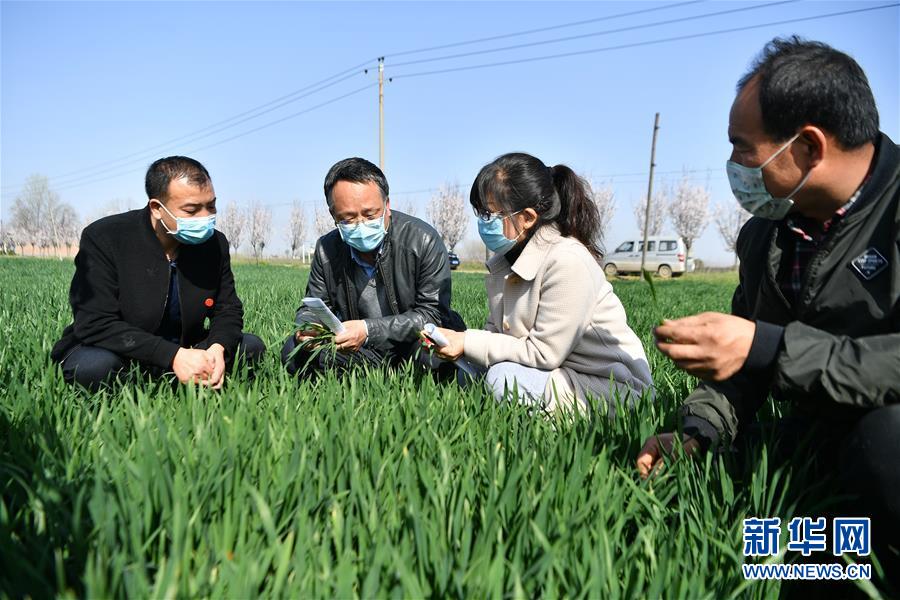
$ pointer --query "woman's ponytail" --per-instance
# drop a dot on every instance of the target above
(578, 216)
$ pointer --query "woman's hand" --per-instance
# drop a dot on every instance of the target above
(455, 348)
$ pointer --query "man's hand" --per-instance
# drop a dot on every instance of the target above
(304, 335)
(192, 365)
(353, 336)
(456, 347)
(651, 456)
(217, 378)
(711, 346)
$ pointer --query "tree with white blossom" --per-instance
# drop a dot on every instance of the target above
(40, 219)
(233, 224)
(605, 201)
(659, 207)
(68, 227)
(323, 222)
(260, 227)
(448, 214)
(730, 218)
(296, 229)
(689, 211)
(409, 207)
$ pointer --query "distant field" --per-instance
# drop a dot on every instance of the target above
(378, 486)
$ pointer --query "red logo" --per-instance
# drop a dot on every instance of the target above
(209, 302)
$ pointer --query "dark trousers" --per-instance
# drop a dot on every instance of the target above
(858, 465)
(310, 365)
(93, 367)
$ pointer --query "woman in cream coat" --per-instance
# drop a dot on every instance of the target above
(556, 333)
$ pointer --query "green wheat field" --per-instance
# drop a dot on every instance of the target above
(383, 485)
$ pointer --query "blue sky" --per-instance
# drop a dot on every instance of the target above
(85, 84)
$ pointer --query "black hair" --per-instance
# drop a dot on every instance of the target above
(517, 181)
(810, 83)
(163, 171)
(355, 170)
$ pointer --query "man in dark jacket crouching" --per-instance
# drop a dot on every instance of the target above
(384, 274)
(816, 315)
(147, 280)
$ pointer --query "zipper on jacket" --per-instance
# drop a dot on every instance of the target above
(162, 315)
(388, 288)
(351, 305)
(388, 285)
(771, 273)
(814, 264)
(180, 308)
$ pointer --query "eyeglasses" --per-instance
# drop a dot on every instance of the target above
(488, 216)
(358, 221)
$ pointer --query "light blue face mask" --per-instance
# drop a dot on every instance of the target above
(191, 230)
(491, 232)
(365, 236)
(749, 187)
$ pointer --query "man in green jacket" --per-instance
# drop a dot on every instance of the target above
(816, 316)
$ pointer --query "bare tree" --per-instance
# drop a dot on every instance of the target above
(689, 211)
(730, 218)
(605, 200)
(658, 209)
(296, 229)
(260, 227)
(324, 222)
(447, 211)
(233, 225)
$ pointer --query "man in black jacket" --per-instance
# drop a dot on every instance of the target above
(816, 316)
(146, 280)
(383, 273)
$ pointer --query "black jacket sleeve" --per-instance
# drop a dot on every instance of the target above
(97, 321)
(816, 366)
(226, 323)
(714, 411)
(432, 291)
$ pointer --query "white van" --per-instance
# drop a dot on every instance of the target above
(665, 256)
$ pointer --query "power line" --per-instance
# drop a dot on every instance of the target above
(92, 171)
(341, 76)
(592, 34)
(189, 139)
(639, 44)
(268, 107)
(234, 137)
(598, 179)
(543, 29)
(89, 172)
(113, 165)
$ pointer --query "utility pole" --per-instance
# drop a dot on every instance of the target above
(381, 112)
(649, 192)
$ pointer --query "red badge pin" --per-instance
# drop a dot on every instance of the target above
(209, 302)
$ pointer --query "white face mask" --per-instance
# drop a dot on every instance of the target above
(749, 187)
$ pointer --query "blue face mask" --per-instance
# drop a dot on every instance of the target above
(191, 230)
(749, 187)
(365, 236)
(491, 232)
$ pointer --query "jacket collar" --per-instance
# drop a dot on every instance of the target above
(532, 256)
(884, 171)
(147, 235)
